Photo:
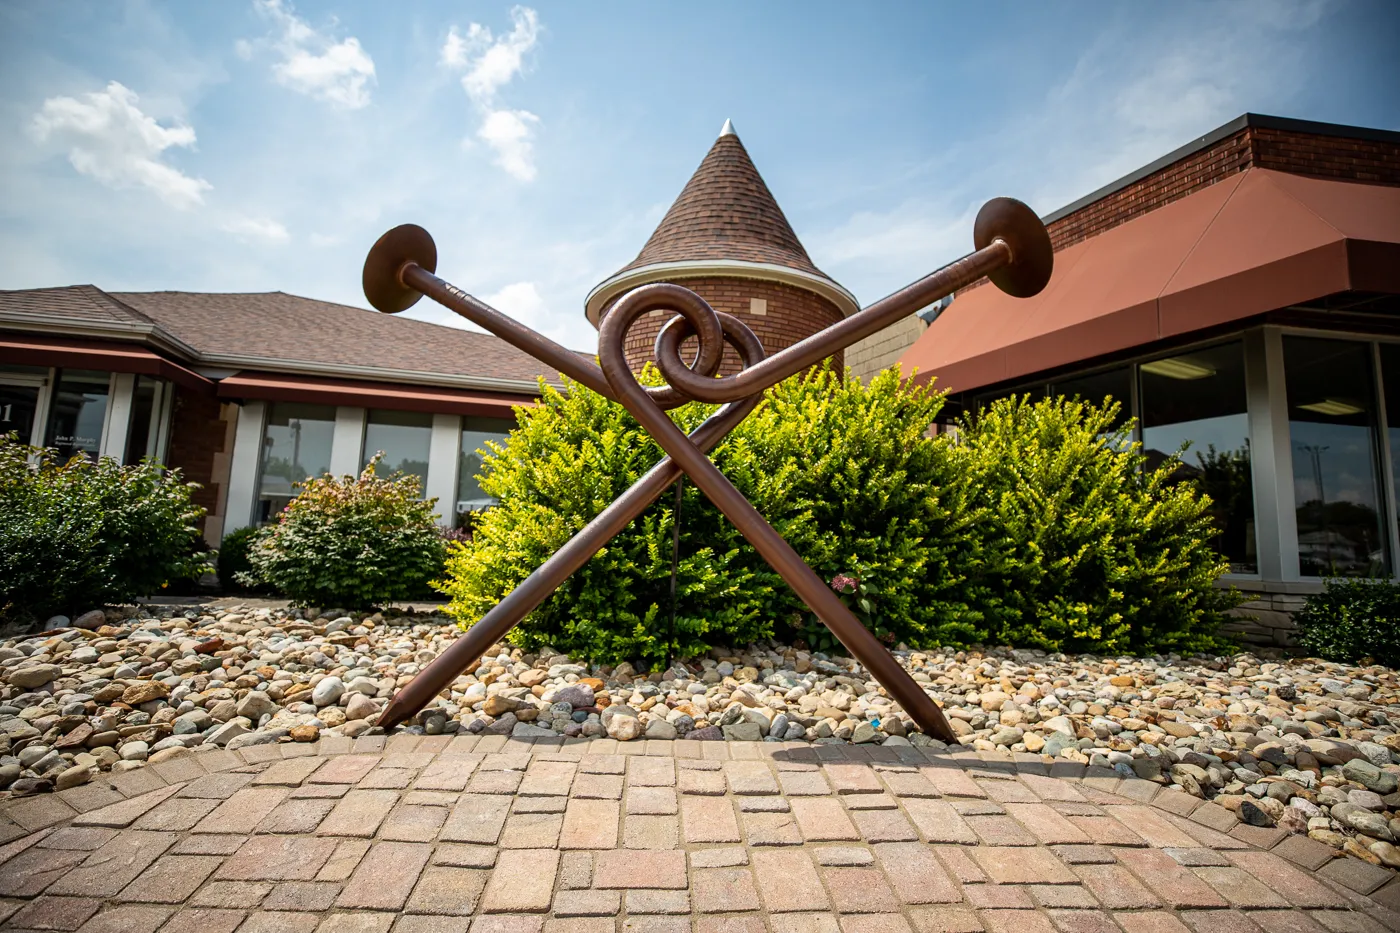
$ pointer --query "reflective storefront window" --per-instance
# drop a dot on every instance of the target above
(147, 399)
(296, 444)
(78, 413)
(475, 433)
(1115, 383)
(1198, 398)
(18, 404)
(404, 437)
(1331, 423)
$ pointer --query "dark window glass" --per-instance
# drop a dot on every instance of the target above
(296, 445)
(1331, 424)
(1198, 399)
(145, 417)
(79, 413)
(475, 433)
(404, 437)
(1390, 379)
(17, 407)
(1116, 384)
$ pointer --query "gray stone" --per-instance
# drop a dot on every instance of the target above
(328, 691)
(576, 695)
(749, 732)
(225, 733)
(256, 705)
(1363, 772)
(34, 676)
(93, 619)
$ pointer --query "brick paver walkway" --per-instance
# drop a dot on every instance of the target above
(445, 835)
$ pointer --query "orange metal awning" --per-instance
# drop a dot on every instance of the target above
(38, 350)
(392, 395)
(1259, 241)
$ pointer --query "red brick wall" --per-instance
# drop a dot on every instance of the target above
(1280, 150)
(197, 435)
(793, 314)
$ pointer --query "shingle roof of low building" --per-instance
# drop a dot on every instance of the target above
(242, 330)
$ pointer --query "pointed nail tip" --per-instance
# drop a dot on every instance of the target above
(728, 129)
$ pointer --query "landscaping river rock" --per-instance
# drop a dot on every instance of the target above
(1308, 746)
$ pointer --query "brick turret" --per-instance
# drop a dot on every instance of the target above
(726, 239)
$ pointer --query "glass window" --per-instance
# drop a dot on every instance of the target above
(404, 437)
(79, 413)
(18, 403)
(146, 401)
(296, 445)
(1331, 425)
(1198, 399)
(1115, 383)
(475, 433)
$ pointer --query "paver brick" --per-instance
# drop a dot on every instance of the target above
(385, 876)
(651, 772)
(172, 879)
(1240, 888)
(787, 881)
(651, 800)
(548, 779)
(128, 811)
(243, 811)
(230, 894)
(302, 895)
(650, 832)
(750, 777)
(450, 891)
(1009, 865)
(266, 921)
(1106, 830)
(127, 918)
(708, 819)
(204, 920)
(1300, 888)
(55, 913)
(657, 902)
(587, 904)
(947, 920)
(588, 824)
(1114, 887)
(1361, 877)
(1306, 852)
(884, 826)
(639, 869)
(1154, 921)
(78, 838)
(531, 831)
(860, 890)
(34, 813)
(803, 783)
(176, 815)
(278, 858)
(959, 864)
(708, 783)
(722, 890)
(771, 829)
(852, 778)
(1000, 831)
(939, 822)
(447, 774)
(823, 819)
(600, 786)
(1046, 824)
(1174, 885)
(476, 818)
(296, 815)
(952, 781)
(291, 771)
(343, 860)
(112, 867)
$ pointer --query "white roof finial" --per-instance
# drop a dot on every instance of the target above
(728, 129)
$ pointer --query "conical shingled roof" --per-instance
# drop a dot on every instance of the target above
(726, 212)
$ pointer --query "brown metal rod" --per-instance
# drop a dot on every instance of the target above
(777, 552)
(842, 334)
(571, 364)
(466, 652)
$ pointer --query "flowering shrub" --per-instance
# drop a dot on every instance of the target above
(351, 542)
(82, 534)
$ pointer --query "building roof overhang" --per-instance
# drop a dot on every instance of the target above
(1256, 242)
(325, 391)
(40, 350)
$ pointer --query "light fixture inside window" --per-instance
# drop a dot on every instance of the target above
(1330, 406)
(1177, 367)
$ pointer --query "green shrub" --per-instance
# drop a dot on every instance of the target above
(233, 560)
(1351, 620)
(1032, 525)
(843, 471)
(350, 541)
(1096, 552)
(82, 534)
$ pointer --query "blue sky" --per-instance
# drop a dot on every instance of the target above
(255, 145)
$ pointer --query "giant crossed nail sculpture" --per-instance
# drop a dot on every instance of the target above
(1011, 248)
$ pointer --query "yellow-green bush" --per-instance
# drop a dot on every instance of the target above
(1030, 526)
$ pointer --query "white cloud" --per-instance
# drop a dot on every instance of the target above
(522, 301)
(313, 63)
(490, 64)
(109, 138)
(508, 132)
(255, 228)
